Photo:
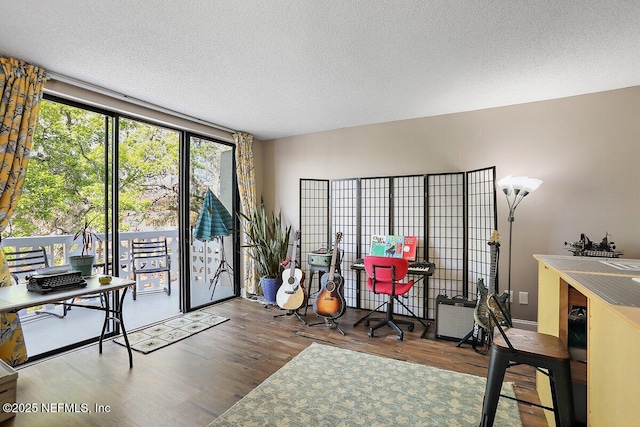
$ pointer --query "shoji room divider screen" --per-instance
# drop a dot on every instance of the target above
(453, 215)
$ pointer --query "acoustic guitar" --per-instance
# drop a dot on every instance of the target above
(291, 293)
(330, 302)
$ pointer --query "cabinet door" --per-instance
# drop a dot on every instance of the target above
(552, 303)
(613, 345)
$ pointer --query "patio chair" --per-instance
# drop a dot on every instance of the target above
(150, 257)
(24, 262)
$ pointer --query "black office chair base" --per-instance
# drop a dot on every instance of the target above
(392, 323)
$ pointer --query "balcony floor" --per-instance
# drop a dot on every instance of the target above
(43, 333)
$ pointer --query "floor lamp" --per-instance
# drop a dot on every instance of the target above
(515, 189)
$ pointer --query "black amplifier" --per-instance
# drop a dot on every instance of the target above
(454, 317)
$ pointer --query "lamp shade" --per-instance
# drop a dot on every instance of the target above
(510, 184)
(505, 184)
(532, 184)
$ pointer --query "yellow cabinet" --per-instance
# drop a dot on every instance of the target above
(613, 333)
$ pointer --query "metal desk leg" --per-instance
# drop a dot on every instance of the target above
(117, 316)
(106, 320)
(120, 319)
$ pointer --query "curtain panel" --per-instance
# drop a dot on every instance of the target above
(21, 85)
(247, 188)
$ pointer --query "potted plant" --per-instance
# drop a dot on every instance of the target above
(84, 262)
(268, 243)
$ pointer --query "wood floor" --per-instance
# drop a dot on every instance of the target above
(193, 381)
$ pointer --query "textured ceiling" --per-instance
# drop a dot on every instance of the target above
(281, 68)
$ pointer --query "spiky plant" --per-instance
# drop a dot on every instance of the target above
(267, 240)
(88, 236)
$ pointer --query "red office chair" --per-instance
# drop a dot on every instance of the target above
(384, 274)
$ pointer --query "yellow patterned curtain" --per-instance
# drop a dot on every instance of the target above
(247, 187)
(21, 85)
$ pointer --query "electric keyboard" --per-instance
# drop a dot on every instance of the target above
(46, 283)
(423, 267)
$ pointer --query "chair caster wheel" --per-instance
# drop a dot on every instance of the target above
(366, 323)
(410, 328)
(370, 333)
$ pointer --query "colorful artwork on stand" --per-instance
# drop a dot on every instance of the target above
(394, 246)
(410, 248)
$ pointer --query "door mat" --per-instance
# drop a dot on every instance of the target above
(162, 334)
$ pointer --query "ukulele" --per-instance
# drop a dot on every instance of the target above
(329, 301)
(291, 294)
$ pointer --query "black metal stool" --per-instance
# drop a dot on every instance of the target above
(520, 347)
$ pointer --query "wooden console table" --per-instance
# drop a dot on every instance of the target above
(17, 297)
(613, 330)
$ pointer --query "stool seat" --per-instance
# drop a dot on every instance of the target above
(533, 343)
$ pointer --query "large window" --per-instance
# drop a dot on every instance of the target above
(76, 152)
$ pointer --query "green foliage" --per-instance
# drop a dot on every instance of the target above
(66, 174)
(65, 165)
(267, 241)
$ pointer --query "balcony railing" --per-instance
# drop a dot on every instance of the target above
(59, 248)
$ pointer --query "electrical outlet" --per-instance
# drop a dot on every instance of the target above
(523, 298)
(510, 296)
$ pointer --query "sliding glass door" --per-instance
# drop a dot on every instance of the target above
(148, 188)
(211, 202)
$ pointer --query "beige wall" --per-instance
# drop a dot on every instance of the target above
(586, 149)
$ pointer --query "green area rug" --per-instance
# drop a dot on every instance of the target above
(152, 338)
(328, 386)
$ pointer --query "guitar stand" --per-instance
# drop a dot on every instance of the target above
(466, 337)
(331, 323)
(484, 340)
(292, 312)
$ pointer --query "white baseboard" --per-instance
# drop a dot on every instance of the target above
(529, 325)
